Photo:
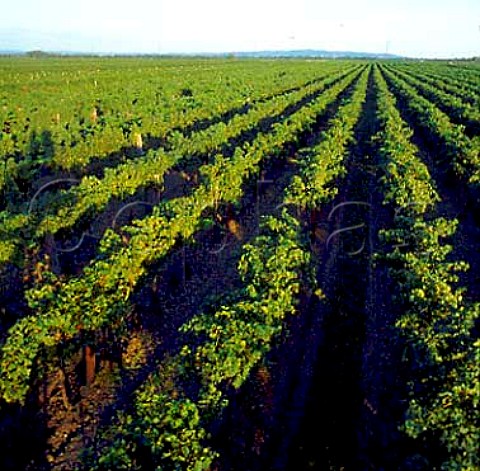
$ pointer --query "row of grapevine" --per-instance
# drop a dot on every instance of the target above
(464, 93)
(275, 267)
(53, 131)
(99, 296)
(119, 130)
(454, 107)
(465, 75)
(461, 152)
(85, 143)
(459, 76)
(438, 323)
(92, 194)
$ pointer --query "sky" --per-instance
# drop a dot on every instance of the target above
(413, 28)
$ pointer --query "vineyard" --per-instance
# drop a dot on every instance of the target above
(234, 264)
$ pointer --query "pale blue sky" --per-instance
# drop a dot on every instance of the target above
(416, 28)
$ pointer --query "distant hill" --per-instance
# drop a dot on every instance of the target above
(301, 53)
(296, 53)
(317, 53)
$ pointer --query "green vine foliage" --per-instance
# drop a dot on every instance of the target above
(92, 194)
(438, 323)
(453, 106)
(461, 151)
(169, 421)
(167, 425)
(274, 269)
(100, 295)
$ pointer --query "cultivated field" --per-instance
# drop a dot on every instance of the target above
(239, 264)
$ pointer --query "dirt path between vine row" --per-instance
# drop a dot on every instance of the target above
(328, 433)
